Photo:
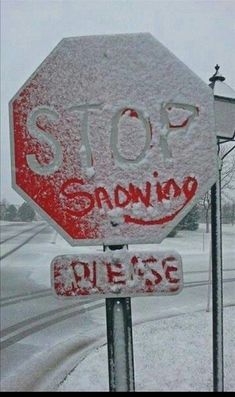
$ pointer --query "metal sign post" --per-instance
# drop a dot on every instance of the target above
(217, 288)
(224, 97)
(120, 344)
(119, 341)
(217, 280)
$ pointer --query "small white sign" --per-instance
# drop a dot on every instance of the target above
(117, 273)
(225, 117)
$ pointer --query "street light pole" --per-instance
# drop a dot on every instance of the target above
(216, 241)
(217, 286)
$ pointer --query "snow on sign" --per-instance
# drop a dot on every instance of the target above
(117, 273)
(113, 139)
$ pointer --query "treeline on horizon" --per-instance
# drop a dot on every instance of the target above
(11, 212)
(198, 214)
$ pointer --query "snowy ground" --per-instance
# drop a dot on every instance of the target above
(172, 334)
(172, 354)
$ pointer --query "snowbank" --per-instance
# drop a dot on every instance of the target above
(173, 354)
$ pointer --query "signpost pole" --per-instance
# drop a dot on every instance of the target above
(217, 279)
(217, 286)
(224, 124)
(120, 342)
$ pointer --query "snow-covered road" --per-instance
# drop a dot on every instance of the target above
(44, 338)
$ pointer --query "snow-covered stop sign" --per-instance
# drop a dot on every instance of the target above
(113, 139)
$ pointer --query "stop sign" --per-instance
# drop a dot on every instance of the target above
(113, 139)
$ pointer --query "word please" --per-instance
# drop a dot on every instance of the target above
(127, 274)
(80, 202)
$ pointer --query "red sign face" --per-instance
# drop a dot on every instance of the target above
(110, 152)
(113, 274)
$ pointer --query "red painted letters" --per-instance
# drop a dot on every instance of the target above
(80, 202)
(129, 275)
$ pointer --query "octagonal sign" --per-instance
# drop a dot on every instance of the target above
(113, 139)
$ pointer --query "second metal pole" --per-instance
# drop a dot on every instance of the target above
(217, 287)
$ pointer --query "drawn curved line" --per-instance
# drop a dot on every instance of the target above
(160, 221)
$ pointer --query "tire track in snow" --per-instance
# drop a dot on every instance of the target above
(191, 284)
(23, 243)
(19, 297)
(54, 318)
(41, 316)
(27, 297)
(42, 325)
(12, 224)
(10, 300)
(206, 271)
(22, 232)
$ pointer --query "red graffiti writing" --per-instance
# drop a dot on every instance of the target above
(81, 202)
(133, 273)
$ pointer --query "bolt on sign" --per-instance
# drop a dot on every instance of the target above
(113, 139)
(117, 273)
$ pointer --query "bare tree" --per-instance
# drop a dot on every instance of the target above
(227, 158)
(228, 170)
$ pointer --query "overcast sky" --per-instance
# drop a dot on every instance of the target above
(200, 33)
